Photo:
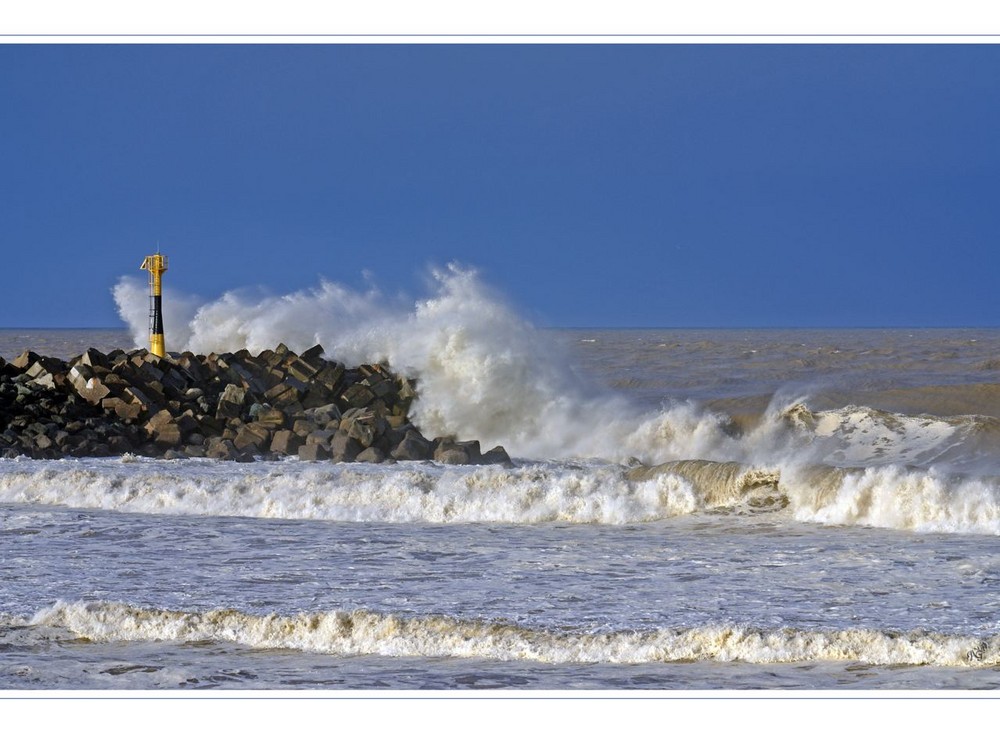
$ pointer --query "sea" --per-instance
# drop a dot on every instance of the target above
(686, 509)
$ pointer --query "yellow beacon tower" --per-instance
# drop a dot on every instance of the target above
(157, 266)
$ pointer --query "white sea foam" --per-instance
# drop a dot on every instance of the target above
(358, 632)
(859, 435)
(401, 493)
(486, 373)
(923, 500)
(890, 497)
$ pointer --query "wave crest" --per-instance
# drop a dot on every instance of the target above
(361, 632)
(888, 497)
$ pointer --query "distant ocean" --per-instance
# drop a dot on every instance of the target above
(689, 509)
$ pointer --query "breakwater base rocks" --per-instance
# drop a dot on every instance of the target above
(236, 407)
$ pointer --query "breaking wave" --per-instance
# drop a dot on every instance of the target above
(484, 372)
(912, 499)
(292, 490)
(359, 632)
(900, 498)
(487, 373)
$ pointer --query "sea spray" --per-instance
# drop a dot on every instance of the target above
(486, 373)
(780, 563)
(132, 299)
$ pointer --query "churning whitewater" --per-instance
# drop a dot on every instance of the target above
(346, 633)
(684, 509)
(534, 492)
(485, 372)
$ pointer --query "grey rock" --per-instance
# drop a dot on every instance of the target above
(220, 448)
(314, 452)
(449, 451)
(357, 396)
(320, 437)
(230, 403)
(271, 418)
(371, 455)
(252, 437)
(344, 447)
(413, 447)
(496, 455)
(304, 427)
(363, 425)
(286, 442)
(323, 414)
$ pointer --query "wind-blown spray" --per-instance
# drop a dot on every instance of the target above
(484, 371)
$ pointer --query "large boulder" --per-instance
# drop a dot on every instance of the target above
(271, 418)
(357, 396)
(496, 455)
(163, 429)
(314, 452)
(286, 443)
(371, 455)
(363, 425)
(345, 448)
(323, 415)
(413, 447)
(253, 437)
(221, 448)
(449, 451)
(231, 402)
(126, 411)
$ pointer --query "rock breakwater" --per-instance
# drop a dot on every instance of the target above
(226, 406)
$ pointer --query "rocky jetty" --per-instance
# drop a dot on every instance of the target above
(237, 407)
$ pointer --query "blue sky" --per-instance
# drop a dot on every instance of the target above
(600, 185)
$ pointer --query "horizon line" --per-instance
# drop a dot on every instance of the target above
(620, 327)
